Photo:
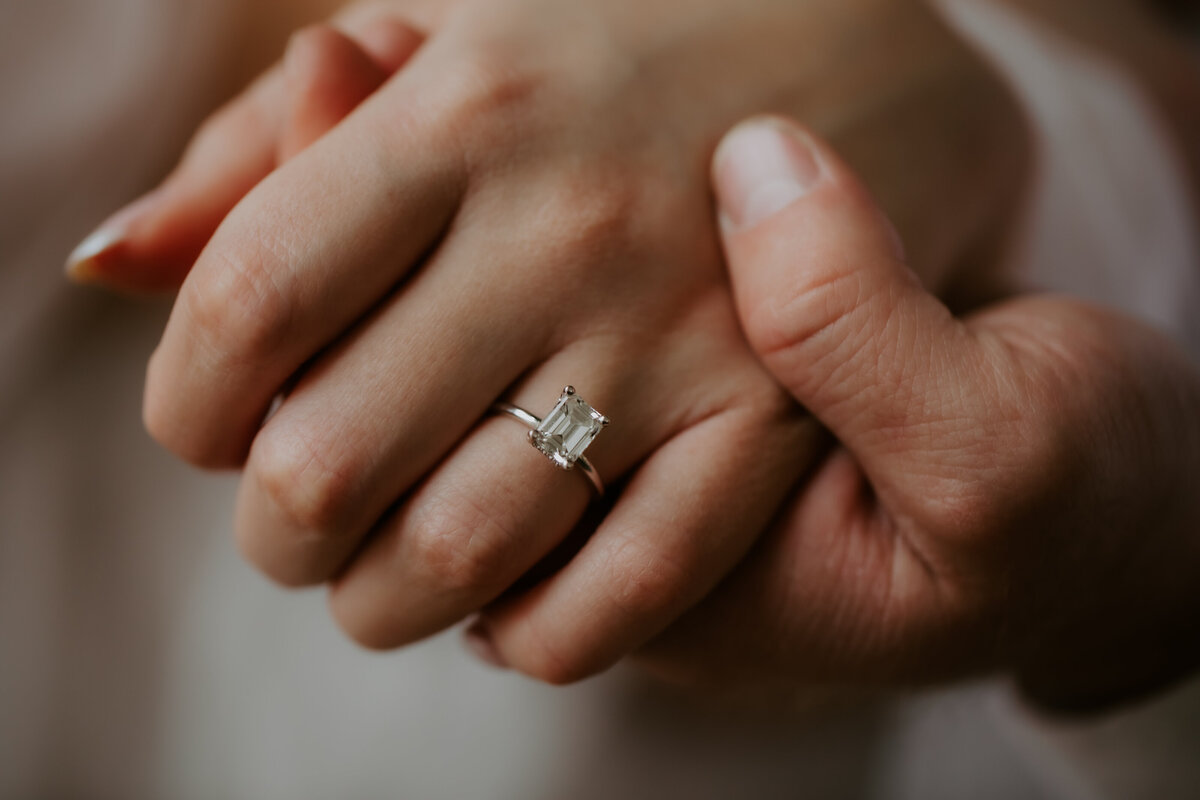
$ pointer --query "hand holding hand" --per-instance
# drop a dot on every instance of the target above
(516, 209)
(1015, 490)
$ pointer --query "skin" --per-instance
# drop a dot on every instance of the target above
(524, 204)
(1014, 490)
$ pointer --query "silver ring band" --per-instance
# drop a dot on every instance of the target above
(534, 423)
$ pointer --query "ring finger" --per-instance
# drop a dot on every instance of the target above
(493, 508)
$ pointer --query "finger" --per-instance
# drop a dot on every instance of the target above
(302, 257)
(463, 537)
(379, 410)
(327, 74)
(829, 595)
(150, 245)
(688, 516)
(496, 507)
(828, 303)
(388, 42)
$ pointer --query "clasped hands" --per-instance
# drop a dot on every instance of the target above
(393, 232)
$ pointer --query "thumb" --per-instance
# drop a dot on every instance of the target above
(826, 299)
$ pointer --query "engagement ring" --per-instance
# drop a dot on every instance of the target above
(564, 433)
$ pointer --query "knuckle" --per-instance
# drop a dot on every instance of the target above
(644, 582)
(486, 99)
(301, 475)
(237, 305)
(601, 212)
(587, 223)
(460, 544)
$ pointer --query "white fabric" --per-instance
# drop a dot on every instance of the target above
(1111, 217)
(140, 658)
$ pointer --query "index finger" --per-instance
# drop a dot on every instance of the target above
(307, 253)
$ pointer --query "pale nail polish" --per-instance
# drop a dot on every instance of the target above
(83, 257)
(82, 262)
(763, 166)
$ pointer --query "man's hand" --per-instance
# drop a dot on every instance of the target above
(1013, 490)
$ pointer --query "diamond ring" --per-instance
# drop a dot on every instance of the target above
(564, 433)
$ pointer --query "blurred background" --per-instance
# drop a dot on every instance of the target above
(140, 659)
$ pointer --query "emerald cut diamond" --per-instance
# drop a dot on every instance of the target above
(568, 429)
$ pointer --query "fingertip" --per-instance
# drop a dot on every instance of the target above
(779, 185)
(762, 166)
(83, 264)
(102, 257)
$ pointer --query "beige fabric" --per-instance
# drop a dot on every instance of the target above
(140, 658)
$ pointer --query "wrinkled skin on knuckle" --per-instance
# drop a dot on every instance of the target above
(310, 481)
(595, 247)
(583, 225)
(237, 310)
(656, 583)
(457, 543)
(490, 103)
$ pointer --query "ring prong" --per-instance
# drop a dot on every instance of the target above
(604, 421)
(568, 390)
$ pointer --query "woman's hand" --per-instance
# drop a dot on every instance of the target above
(523, 205)
(1017, 489)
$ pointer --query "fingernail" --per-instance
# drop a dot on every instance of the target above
(479, 641)
(762, 166)
(86, 259)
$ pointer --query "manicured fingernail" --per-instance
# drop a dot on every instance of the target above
(85, 260)
(479, 641)
(762, 166)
